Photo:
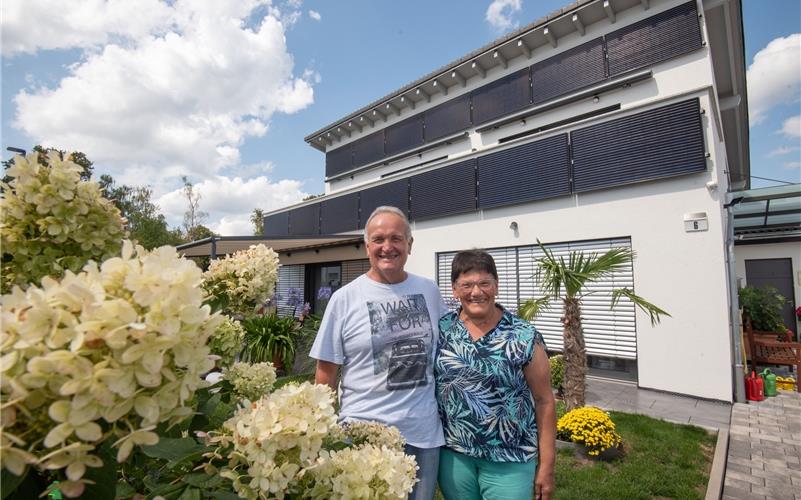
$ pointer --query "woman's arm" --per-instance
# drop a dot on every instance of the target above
(538, 377)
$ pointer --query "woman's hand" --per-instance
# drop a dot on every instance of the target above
(538, 377)
(544, 483)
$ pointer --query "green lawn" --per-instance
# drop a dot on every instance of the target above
(663, 460)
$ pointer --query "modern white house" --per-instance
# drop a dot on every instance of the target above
(609, 123)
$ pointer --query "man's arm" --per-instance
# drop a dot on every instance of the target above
(538, 377)
(326, 373)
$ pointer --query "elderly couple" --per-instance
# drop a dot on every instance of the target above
(469, 390)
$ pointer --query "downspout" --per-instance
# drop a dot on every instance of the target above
(734, 302)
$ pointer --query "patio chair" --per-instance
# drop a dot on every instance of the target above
(766, 348)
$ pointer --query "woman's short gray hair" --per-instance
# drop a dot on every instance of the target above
(386, 209)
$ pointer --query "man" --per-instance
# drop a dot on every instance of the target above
(381, 329)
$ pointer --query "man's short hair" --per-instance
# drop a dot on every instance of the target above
(472, 260)
(386, 209)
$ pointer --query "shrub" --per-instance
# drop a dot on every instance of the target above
(106, 354)
(52, 221)
(242, 282)
(589, 426)
(764, 306)
(226, 342)
(557, 370)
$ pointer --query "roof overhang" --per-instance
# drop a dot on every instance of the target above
(724, 24)
(223, 245)
(767, 215)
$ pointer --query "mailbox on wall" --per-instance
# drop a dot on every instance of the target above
(696, 221)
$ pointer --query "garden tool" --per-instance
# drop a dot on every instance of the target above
(769, 381)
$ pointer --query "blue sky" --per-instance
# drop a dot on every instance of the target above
(225, 91)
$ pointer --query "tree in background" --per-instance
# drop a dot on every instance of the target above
(257, 219)
(76, 157)
(145, 223)
(193, 217)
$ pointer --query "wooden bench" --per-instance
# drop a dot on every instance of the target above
(765, 348)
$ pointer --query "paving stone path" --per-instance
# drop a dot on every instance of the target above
(765, 449)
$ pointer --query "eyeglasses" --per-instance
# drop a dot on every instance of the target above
(467, 286)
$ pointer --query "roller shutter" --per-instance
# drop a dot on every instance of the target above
(394, 194)
(447, 118)
(290, 283)
(569, 71)
(501, 97)
(529, 172)
(658, 38)
(661, 142)
(610, 333)
(339, 214)
(404, 136)
(444, 191)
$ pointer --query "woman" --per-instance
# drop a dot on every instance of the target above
(494, 394)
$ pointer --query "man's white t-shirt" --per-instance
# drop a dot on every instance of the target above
(385, 338)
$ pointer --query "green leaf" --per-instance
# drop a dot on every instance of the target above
(31, 486)
(174, 449)
(125, 490)
(167, 490)
(224, 495)
(190, 494)
(201, 480)
(105, 477)
(10, 482)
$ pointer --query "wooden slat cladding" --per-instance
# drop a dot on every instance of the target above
(339, 214)
(305, 221)
(533, 171)
(448, 118)
(569, 71)
(658, 38)
(405, 135)
(339, 160)
(661, 142)
(502, 97)
(444, 191)
(395, 194)
(276, 224)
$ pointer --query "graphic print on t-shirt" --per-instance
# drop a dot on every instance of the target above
(401, 336)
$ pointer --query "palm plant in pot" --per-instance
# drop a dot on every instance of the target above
(567, 280)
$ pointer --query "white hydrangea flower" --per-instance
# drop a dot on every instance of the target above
(245, 279)
(275, 437)
(373, 433)
(227, 340)
(52, 221)
(363, 472)
(118, 347)
(251, 381)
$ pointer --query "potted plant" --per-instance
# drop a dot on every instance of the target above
(762, 306)
(270, 338)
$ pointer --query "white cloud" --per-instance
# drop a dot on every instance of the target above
(181, 100)
(500, 12)
(783, 150)
(792, 127)
(29, 26)
(792, 164)
(230, 201)
(774, 77)
(315, 15)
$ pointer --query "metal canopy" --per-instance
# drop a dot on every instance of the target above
(224, 245)
(768, 213)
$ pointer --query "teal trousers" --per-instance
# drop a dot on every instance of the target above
(466, 478)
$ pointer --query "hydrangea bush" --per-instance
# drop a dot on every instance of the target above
(251, 381)
(288, 445)
(105, 354)
(52, 221)
(242, 282)
(227, 340)
(591, 427)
